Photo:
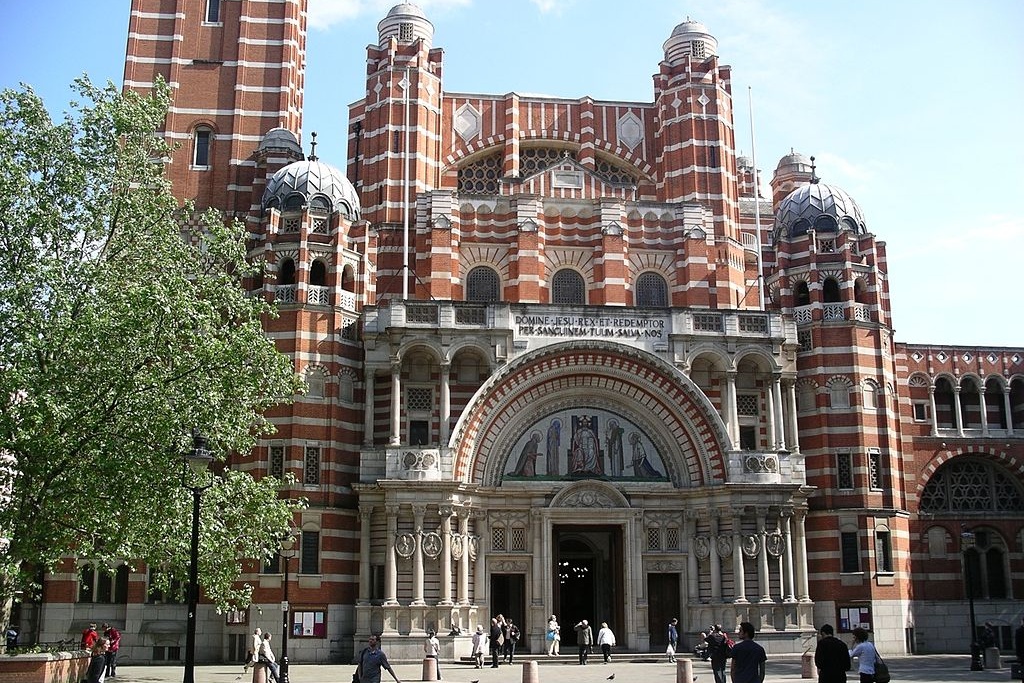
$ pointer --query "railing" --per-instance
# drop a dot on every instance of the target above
(285, 294)
(860, 312)
(471, 314)
(318, 295)
(707, 322)
(753, 324)
(803, 315)
(422, 314)
(834, 312)
(348, 300)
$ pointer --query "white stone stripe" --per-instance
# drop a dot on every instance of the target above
(134, 59)
(159, 38)
(157, 15)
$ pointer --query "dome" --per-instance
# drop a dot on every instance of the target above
(407, 23)
(690, 39)
(794, 162)
(281, 139)
(820, 207)
(744, 162)
(314, 184)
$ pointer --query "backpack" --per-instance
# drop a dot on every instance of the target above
(719, 645)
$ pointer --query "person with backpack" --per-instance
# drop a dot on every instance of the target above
(719, 648)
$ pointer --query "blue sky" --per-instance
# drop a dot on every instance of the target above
(912, 106)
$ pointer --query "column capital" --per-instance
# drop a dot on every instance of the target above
(445, 511)
(365, 510)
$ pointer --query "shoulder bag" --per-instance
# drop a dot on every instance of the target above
(881, 670)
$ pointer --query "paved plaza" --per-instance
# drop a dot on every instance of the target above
(921, 669)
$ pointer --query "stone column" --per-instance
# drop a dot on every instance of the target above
(418, 511)
(773, 436)
(368, 405)
(787, 537)
(780, 421)
(396, 403)
(983, 406)
(446, 402)
(957, 416)
(464, 514)
(446, 554)
(692, 587)
(1007, 406)
(390, 559)
(800, 542)
(762, 564)
(935, 417)
(732, 412)
(537, 566)
(716, 568)
(365, 517)
(794, 431)
(737, 559)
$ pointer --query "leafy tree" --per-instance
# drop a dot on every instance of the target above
(123, 326)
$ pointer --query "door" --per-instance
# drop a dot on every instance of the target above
(587, 580)
(662, 607)
(508, 597)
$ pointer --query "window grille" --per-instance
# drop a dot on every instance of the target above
(405, 32)
(319, 226)
(470, 314)
(746, 405)
(615, 175)
(672, 538)
(844, 471)
(567, 288)
(290, 223)
(536, 159)
(698, 49)
(277, 461)
(971, 486)
(481, 177)
(754, 324)
(419, 399)
(806, 340)
(309, 562)
(424, 314)
(311, 466)
(875, 469)
(483, 285)
(498, 538)
(651, 291)
(707, 322)
(517, 540)
(653, 538)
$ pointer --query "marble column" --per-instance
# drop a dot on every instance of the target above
(780, 421)
(396, 404)
(791, 414)
(957, 415)
(418, 512)
(935, 415)
(732, 412)
(737, 559)
(692, 586)
(390, 557)
(787, 536)
(983, 407)
(800, 551)
(365, 517)
(446, 554)
(446, 402)
(1008, 407)
(716, 568)
(464, 514)
(762, 565)
(769, 395)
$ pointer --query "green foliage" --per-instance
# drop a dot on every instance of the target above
(123, 326)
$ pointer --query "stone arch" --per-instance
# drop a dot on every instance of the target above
(681, 422)
(589, 493)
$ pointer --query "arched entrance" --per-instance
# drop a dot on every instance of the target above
(588, 578)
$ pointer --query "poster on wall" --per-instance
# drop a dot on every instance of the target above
(854, 617)
(582, 444)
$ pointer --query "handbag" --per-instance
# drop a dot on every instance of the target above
(355, 676)
(881, 670)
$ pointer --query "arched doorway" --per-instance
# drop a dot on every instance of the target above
(587, 578)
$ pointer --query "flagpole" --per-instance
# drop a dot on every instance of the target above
(757, 203)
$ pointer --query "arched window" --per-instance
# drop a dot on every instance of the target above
(315, 383)
(830, 291)
(286, 272)
(805, 398)
(483, 285)
(839, 394)
(567, 287)
(870, 390)
(651, 291)
(318, 273)
(348, 280)
(986, 565)
(860, 291)
(801, 295)
(202, 139)
(971, 485)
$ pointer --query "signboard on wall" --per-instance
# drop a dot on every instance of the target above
(854, 617)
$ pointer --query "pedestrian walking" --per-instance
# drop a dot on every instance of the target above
(866, 654)
(584, 640)
(371, 660)
(831, 656)
(748, 657)
(606, 639)
(479, 638)
(554, 636)
(673, 639)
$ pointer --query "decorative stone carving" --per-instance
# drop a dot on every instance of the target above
(701, 547)
(761, 463)
(724, 546)
(458, 546)
(775, 544)
(406, 545)
(664, 566)
(507, 566)
(751, 545)
(431, 544)
(630, 130)
(467, 122)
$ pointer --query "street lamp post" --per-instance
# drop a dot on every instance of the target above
(966, 543)
(193, 467)
(287, 552)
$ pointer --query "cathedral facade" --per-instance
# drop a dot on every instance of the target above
(563, 358)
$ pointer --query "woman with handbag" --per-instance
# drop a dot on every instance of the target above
(866, 654)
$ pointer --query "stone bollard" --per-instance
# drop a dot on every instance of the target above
(429, 669)
(992, 659)
(259, 673)
(807, 665)
(531, 672)
(684, 671)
